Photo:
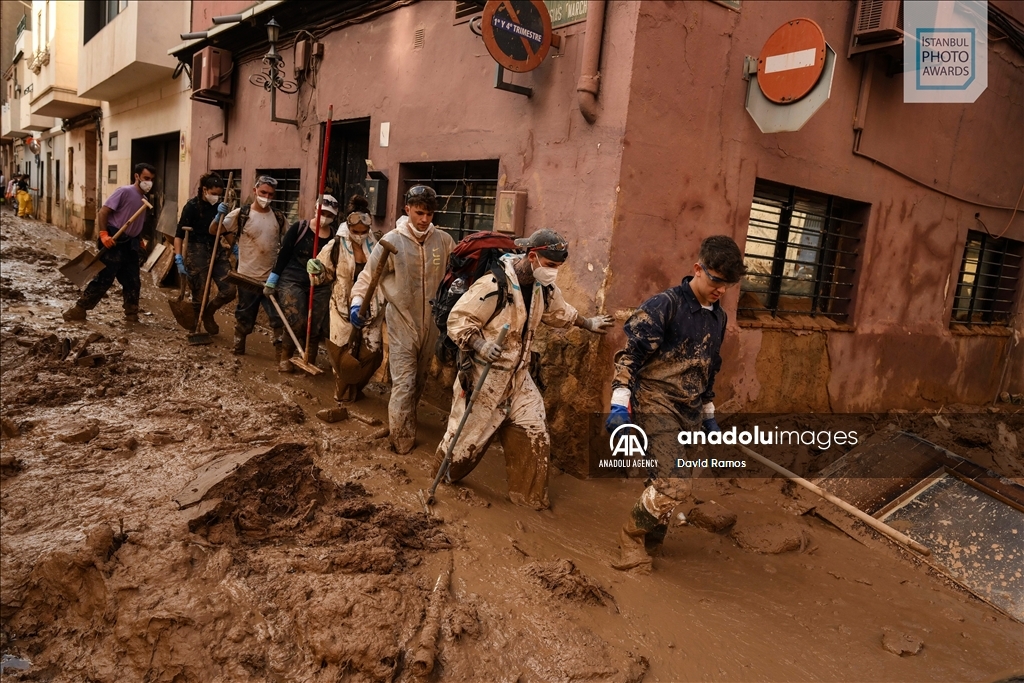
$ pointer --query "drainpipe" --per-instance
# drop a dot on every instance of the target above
(590, 76)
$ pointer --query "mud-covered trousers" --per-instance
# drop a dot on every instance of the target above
(197, 263)
(514, 409)
(122, 264)
(293, 297)
(668, 486)
(409, 355)
(248, 308)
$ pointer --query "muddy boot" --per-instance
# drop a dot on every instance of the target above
(655, 538)
(239, 348)
(284, 354)
(209, 323)
(131, 314)
(74, 314)
(631, 541)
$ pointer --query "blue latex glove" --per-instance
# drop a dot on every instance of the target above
(223, 208)
(353, 317)
(710, 425)
(619, 416)
(234, 249)
(178, 261)
(271, 284)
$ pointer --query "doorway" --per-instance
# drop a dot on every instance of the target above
(162, 152)
(91, 177)
(346, 159)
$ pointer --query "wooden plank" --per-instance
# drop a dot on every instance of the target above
(215, 472)
(154, 255)
(163, 267)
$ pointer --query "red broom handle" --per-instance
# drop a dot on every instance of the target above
(316, 232)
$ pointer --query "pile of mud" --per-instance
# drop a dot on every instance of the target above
(284, 575)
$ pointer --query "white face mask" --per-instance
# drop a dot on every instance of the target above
(264, 202)
(212, 198)
(326, 220)
(357, 239)
(146, 186)
(544, 275)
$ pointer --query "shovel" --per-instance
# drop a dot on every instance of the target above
(428, 499)
(301, 363)
(182, 310)
(354, 369)
(87, 265)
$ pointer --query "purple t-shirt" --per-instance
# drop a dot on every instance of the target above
(123, 203)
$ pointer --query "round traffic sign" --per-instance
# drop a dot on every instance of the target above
(791, 61)
(517, 33)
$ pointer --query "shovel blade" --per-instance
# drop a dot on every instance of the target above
(83, 268)
(183, 313)
(358, 370)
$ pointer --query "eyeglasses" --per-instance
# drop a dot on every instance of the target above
(329, 202)
(421, 191)
(265, 180)
(358, 217)
(715, 280)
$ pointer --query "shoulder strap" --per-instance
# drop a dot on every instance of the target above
(243, 217)
(303, 229)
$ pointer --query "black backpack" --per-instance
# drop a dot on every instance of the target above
(472, 258)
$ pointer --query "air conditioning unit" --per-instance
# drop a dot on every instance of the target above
(877, 24)
(211, 75)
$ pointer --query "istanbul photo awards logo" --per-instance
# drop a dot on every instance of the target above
(945, 50)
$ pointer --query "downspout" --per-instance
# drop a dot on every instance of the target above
(590, 75)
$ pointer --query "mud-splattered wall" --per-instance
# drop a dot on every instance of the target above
(691, 157)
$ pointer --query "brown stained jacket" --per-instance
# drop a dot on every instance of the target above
(672, 353)
(472, 315)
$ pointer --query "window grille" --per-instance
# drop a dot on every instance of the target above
(987, 283)
(286, 196)
(801, 254)
(466, 191)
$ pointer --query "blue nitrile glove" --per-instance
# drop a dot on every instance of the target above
(353, 317)
(178, 261)
(619, 416)
(223, 208)
(710, 425)
(271, 284)
(314, 267)
(234, 249)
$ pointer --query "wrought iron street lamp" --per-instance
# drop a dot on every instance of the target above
(271, 78)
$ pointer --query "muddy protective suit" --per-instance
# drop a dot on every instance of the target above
(340, 267)
(666, 374)
(408, 284)
(509, 402)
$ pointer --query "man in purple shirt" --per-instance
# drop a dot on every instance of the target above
(120, 257)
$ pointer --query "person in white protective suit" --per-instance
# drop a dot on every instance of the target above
(509, 402)
(341, 260)
(408, 285)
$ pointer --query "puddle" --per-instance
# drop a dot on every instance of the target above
(12, 663)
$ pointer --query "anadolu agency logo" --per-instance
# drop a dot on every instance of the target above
(628, 443)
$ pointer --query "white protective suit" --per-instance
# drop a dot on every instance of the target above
(509, 400)
(408, 285)
(343, 273)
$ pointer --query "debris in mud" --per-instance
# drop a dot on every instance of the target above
(331, 415)
(9, 464)
(80, 434)
(901, 644)
(8, 292)
(562, 578)
(711, 516)
(9, 429)
(289, 413)
(771, 538)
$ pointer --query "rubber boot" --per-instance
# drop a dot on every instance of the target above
(655, 538)
(74, 314)
(131, 314)
(239, 348)
(209, 323)
(284, 354)
(631, 541)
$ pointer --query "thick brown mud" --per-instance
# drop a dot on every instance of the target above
(316, 562)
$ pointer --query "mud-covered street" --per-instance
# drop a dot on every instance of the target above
(315, 561)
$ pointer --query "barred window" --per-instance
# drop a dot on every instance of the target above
(802, 251)
(466, 191)
(286, 197)
(987, 283)
(466, 9)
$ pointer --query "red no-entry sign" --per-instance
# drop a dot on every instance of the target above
(791, 61)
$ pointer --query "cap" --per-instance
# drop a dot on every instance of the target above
(329, 204)
(546, 243)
